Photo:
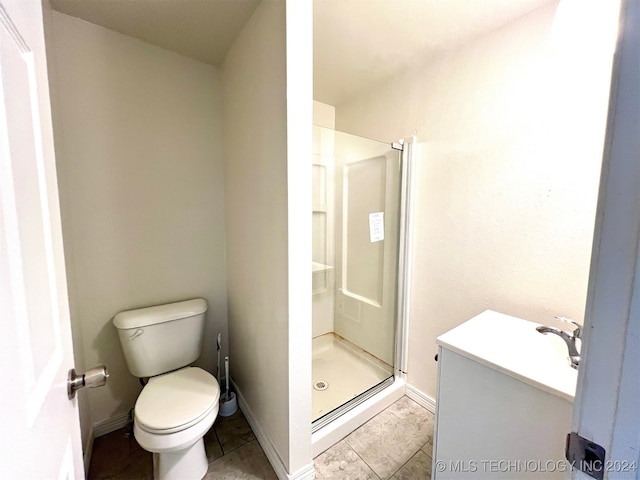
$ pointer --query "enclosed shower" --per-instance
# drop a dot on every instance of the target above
(357, 219)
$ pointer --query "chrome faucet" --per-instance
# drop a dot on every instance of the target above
(569, 339)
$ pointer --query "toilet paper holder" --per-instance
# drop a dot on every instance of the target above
(95, 377)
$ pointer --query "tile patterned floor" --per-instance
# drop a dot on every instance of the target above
(396, 444)
(231, 446)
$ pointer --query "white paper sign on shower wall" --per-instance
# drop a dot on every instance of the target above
(376, 227)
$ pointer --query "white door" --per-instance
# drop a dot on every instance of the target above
(40, 426)
(607, 405)
(367, 235)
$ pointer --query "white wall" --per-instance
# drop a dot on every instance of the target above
(299, 51)
(138, 145)
(267, 78)
(510, 131)
(324, 115)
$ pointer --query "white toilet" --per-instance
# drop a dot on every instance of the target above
(179, 403)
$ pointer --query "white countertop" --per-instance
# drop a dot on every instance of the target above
(514, 347)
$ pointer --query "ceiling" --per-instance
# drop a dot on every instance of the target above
(357, 43)
(200, 29)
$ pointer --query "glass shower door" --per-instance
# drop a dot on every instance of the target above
(367, 219)
(356, 245)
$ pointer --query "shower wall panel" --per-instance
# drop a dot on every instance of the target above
(323, 255)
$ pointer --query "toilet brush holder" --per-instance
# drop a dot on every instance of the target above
(228, 404)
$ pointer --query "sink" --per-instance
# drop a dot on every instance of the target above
(513, 346)
(504, 401)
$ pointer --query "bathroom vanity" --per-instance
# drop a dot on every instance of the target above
(504, 401)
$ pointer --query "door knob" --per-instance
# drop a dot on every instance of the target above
(96, 377)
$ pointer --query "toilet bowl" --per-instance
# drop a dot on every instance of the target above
(172, 414)
(179, 403)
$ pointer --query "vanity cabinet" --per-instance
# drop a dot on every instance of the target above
(504, 401)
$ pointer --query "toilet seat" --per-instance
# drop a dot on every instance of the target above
(176, 401)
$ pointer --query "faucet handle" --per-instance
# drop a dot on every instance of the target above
(577, 333)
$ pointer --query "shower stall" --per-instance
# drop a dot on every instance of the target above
(359, 211)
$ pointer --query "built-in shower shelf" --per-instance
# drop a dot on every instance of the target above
(320, 267)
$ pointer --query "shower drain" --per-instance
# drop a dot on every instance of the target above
(321, 385)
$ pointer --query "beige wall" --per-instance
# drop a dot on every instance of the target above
(84, 409)
(138, 146)
(255, 178)
(510, 135)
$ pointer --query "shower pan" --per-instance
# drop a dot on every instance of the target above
(359, 224)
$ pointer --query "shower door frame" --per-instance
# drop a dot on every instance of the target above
(407, 167)
(330, 428)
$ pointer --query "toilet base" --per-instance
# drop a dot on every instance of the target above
(187, 464)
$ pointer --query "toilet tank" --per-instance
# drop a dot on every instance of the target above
(159, 339)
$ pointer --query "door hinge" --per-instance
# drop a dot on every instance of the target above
(584, 455)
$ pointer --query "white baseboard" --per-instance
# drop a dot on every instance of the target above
(87, 452)
(110, 425)
(305, 473)
(308, 472)
(98, 430)
(421, 398)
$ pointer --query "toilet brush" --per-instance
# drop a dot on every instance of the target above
(226, 379)
(218, 365)
(228, 404)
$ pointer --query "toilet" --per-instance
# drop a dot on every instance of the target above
(179, 403)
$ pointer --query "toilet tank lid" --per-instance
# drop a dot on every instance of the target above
(143, 317)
